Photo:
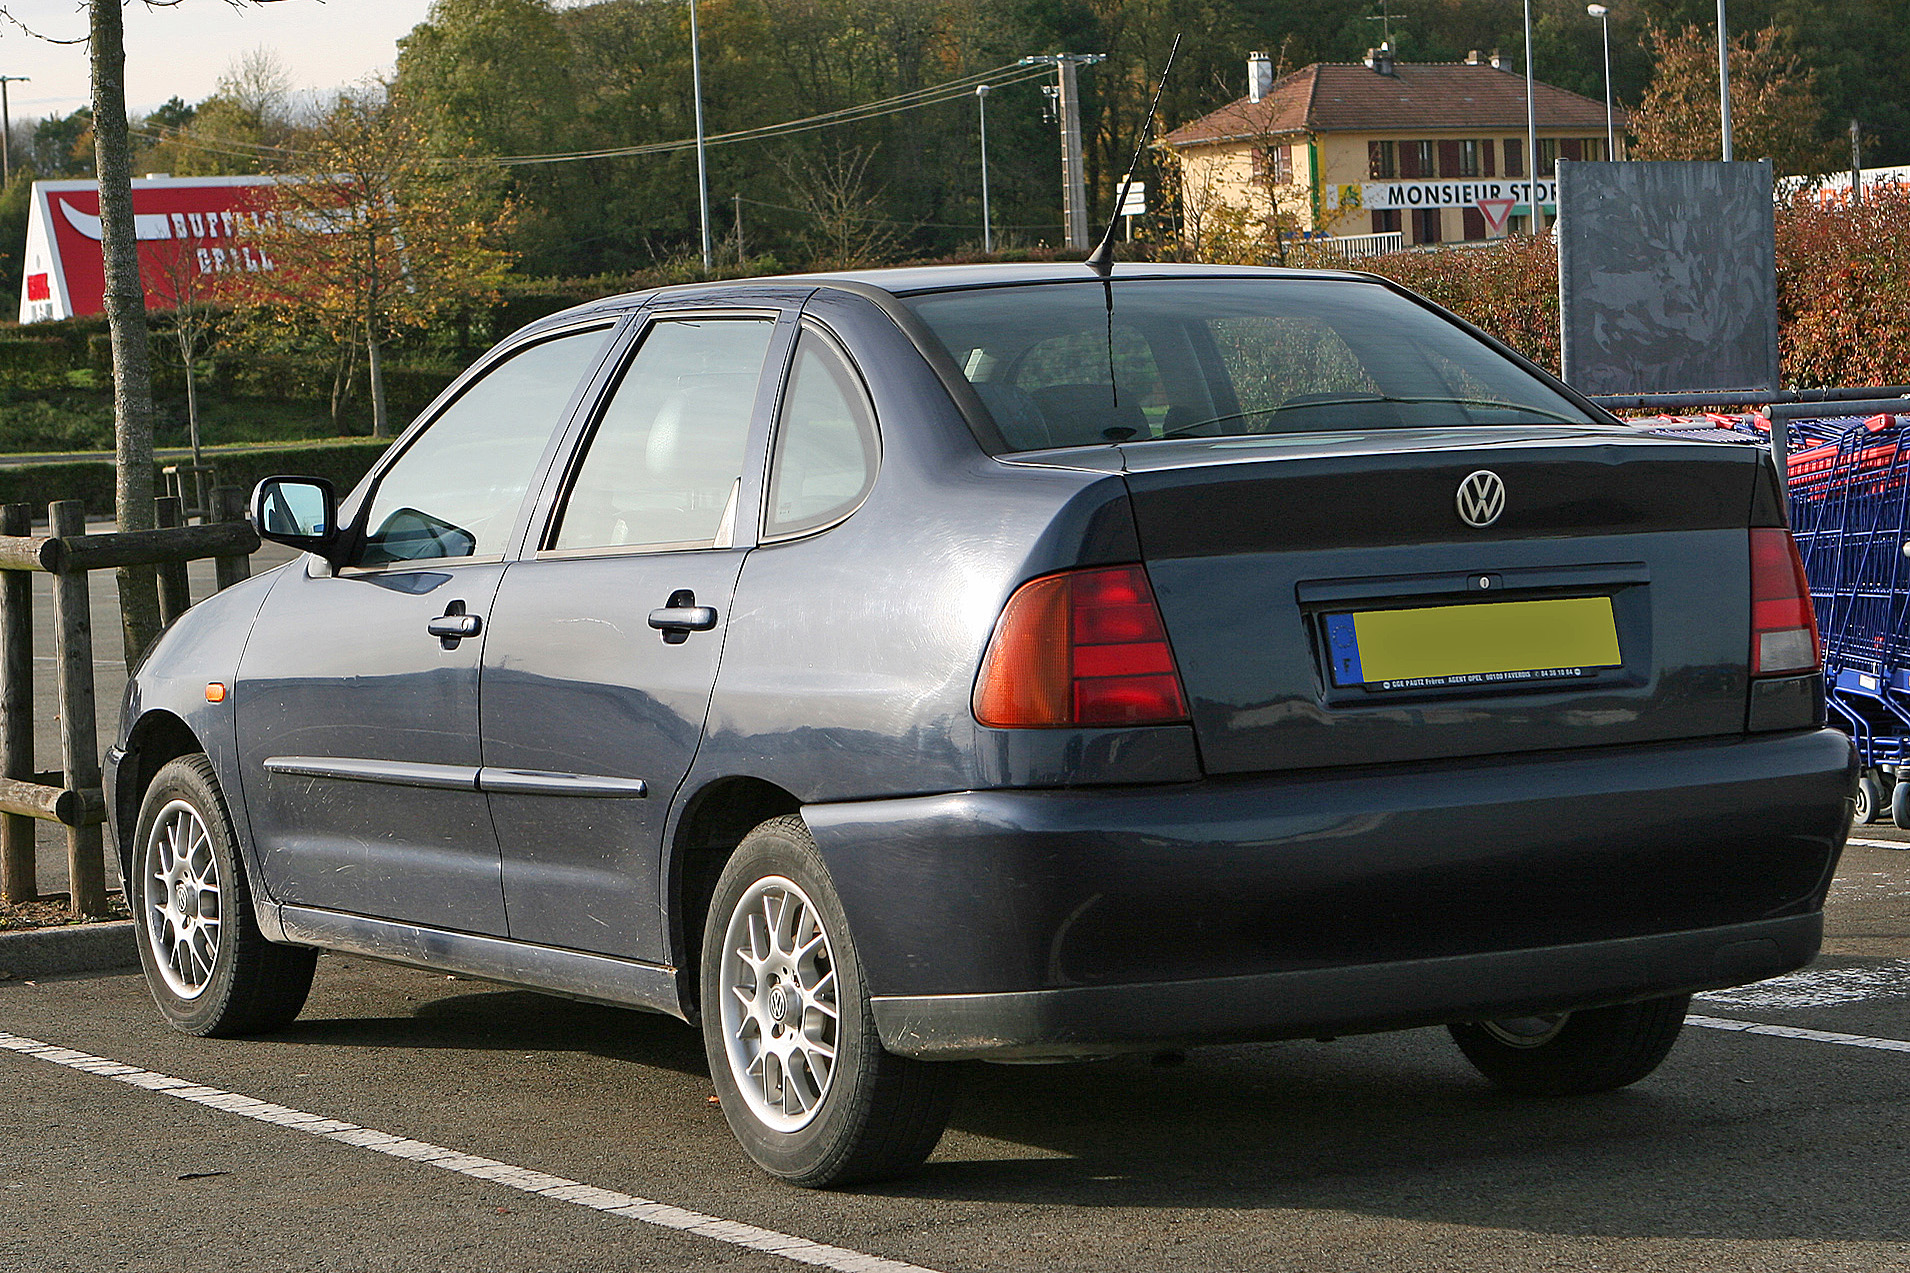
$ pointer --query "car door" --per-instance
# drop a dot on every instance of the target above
(357, 694)
(605, 636)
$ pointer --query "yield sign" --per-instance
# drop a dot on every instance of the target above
(1495, 212)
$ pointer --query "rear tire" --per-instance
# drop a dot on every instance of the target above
(210, 969)
(1871, 801)
(802, 1076)
(1574, 1053)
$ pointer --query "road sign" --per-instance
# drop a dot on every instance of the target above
(1495, 212)
(1136, 202)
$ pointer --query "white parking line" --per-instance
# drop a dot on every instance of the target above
(1793, 1032)
(800, 1250)
(1819, 988)
(1881, 844)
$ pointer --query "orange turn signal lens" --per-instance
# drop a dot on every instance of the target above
(215, 692)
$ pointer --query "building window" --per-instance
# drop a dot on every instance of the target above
(1382, 160)
(1548, 156)
(1273, 165)
(1514, 157)
(1386, 221)
(1428, 161)
(1516, 225)
(1425, 225)
(1468, 159)
(1593, 148)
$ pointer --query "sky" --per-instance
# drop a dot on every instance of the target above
(181, 49)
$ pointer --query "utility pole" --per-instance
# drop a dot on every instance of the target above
(1532, 134)
(988, 230)
(1724, 84)
(739, 231)
(1856, 166)
(702, 162)
(1074, 181)
(6, 127)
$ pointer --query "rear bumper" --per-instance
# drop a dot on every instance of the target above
(1034, 923)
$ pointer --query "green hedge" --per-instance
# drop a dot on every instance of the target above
(91, 481)
(34, 364)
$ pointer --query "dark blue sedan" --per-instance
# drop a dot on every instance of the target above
(886, 669)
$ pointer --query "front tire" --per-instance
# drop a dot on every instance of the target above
(1574, 1053)
(209, 968)
(801, 1073)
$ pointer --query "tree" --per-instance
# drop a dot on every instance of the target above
(177, 279)
(369, 234)
(1775, 113)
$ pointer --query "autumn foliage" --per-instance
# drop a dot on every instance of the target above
(1843, 287)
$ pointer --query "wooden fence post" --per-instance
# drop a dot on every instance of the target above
(175, 589)
(79, 731)
(228, 505)
(19, 868)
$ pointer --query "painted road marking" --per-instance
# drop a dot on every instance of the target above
(789, 1247)
(1882, 844)
(1820, 987)
(1793, 1032)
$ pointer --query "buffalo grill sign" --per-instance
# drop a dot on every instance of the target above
(186, 226)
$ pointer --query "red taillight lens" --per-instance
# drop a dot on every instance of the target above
(1783, 624)
(1082, 648)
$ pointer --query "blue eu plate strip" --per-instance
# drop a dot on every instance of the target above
(1343, 649)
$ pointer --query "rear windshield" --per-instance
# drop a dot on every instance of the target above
(1223, 357)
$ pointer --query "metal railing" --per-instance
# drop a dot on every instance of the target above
(72, 794)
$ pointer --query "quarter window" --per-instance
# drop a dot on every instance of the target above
(456, 490)
(663, 465)
(825, 442)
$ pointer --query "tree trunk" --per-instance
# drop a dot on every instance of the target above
(126, 319)
(192, 408)
(374, 364)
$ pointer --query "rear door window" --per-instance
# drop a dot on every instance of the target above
(826, 449)
(662, 468)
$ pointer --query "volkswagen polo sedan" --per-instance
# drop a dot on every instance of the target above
(886, 669)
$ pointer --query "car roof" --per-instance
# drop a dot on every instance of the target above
(915, 279)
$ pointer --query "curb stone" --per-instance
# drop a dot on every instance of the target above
(38, 952)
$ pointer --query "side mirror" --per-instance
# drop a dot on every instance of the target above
(299, 512)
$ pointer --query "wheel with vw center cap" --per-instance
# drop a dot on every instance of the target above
(804, 1081)
(209, 968)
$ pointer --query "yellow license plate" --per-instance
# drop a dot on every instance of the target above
(1485, 644)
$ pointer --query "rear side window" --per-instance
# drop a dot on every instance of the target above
(826, 449)
(662, 467)
(456, 490)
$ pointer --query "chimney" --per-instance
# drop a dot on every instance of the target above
(1473, 58)
(1259, 76)
(1381, 59)
(1498, 63)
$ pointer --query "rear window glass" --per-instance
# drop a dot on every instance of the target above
(1223, 357)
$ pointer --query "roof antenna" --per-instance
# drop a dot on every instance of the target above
(1101, 260)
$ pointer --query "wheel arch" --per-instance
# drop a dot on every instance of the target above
(713, 822)
(157, 738)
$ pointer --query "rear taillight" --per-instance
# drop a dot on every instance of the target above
(1783, 624)
(1081, 648)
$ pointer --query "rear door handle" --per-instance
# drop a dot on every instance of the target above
(681, 617)
(454, 625)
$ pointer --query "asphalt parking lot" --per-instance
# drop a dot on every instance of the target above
(1778, 1149)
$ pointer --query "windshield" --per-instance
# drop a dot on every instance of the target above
(1224, 358)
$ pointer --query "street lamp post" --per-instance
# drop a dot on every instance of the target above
(1603, 15)
(6, 127)
(702, 161)
(981, 108)
(1724, 84)
(1532, 132)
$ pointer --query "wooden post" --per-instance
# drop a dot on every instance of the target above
(175, 590)
(79, 732)
(19, 874)
(228, 505)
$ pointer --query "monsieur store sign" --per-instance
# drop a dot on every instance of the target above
(1487, 196)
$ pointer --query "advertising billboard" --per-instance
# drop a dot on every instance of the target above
(186, 226)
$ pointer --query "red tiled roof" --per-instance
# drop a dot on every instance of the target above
(1419, 97)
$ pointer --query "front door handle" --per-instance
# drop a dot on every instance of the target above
(454, 625)
(682, 616)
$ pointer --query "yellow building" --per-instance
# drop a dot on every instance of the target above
(1434, 151)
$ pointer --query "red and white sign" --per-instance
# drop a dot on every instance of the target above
(1495, 211)
(186, 226)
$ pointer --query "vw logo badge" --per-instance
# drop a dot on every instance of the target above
(1481, 498)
